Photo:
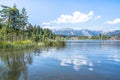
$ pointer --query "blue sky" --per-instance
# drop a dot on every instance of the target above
(76, 14)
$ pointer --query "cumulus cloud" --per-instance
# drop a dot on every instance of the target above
(76, 17)
(115, 21)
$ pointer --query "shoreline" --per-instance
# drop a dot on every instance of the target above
(28, 44)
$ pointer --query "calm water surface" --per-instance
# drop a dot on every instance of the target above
(78, 60)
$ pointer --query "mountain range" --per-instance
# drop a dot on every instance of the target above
(84, 32)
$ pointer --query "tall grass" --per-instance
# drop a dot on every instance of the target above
(23, 44)
(5, 44)
(29, 44)
(16, 44)
(54, 43)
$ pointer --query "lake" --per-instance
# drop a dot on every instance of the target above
(78, 60)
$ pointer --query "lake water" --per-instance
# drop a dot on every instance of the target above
(78, 60)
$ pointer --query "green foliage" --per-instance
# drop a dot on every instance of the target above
(104, 37)
(95, 37)
(54, 43)
(15, 26)
(82, 37)
(4, 45)
(101, 36)
(3, 34)
(37, 34)
(16, 44)
(17, 32)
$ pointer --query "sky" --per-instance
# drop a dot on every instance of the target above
(75, 14)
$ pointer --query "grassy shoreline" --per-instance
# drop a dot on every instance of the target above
(6, 45)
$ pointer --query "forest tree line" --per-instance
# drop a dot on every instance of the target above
(14, 25)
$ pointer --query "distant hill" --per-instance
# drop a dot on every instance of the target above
(84, 32)
(114, 33)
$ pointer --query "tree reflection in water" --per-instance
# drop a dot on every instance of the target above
(14, 65)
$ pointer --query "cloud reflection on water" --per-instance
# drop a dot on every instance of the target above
(115, 58)
(74, 60)
(79, 54)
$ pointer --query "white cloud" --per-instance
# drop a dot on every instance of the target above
(76, 17)
(116, 21)
(98, 17)
(46, 23)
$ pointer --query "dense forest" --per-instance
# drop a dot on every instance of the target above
(15, 28)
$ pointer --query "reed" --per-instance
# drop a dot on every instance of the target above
(30, 44)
